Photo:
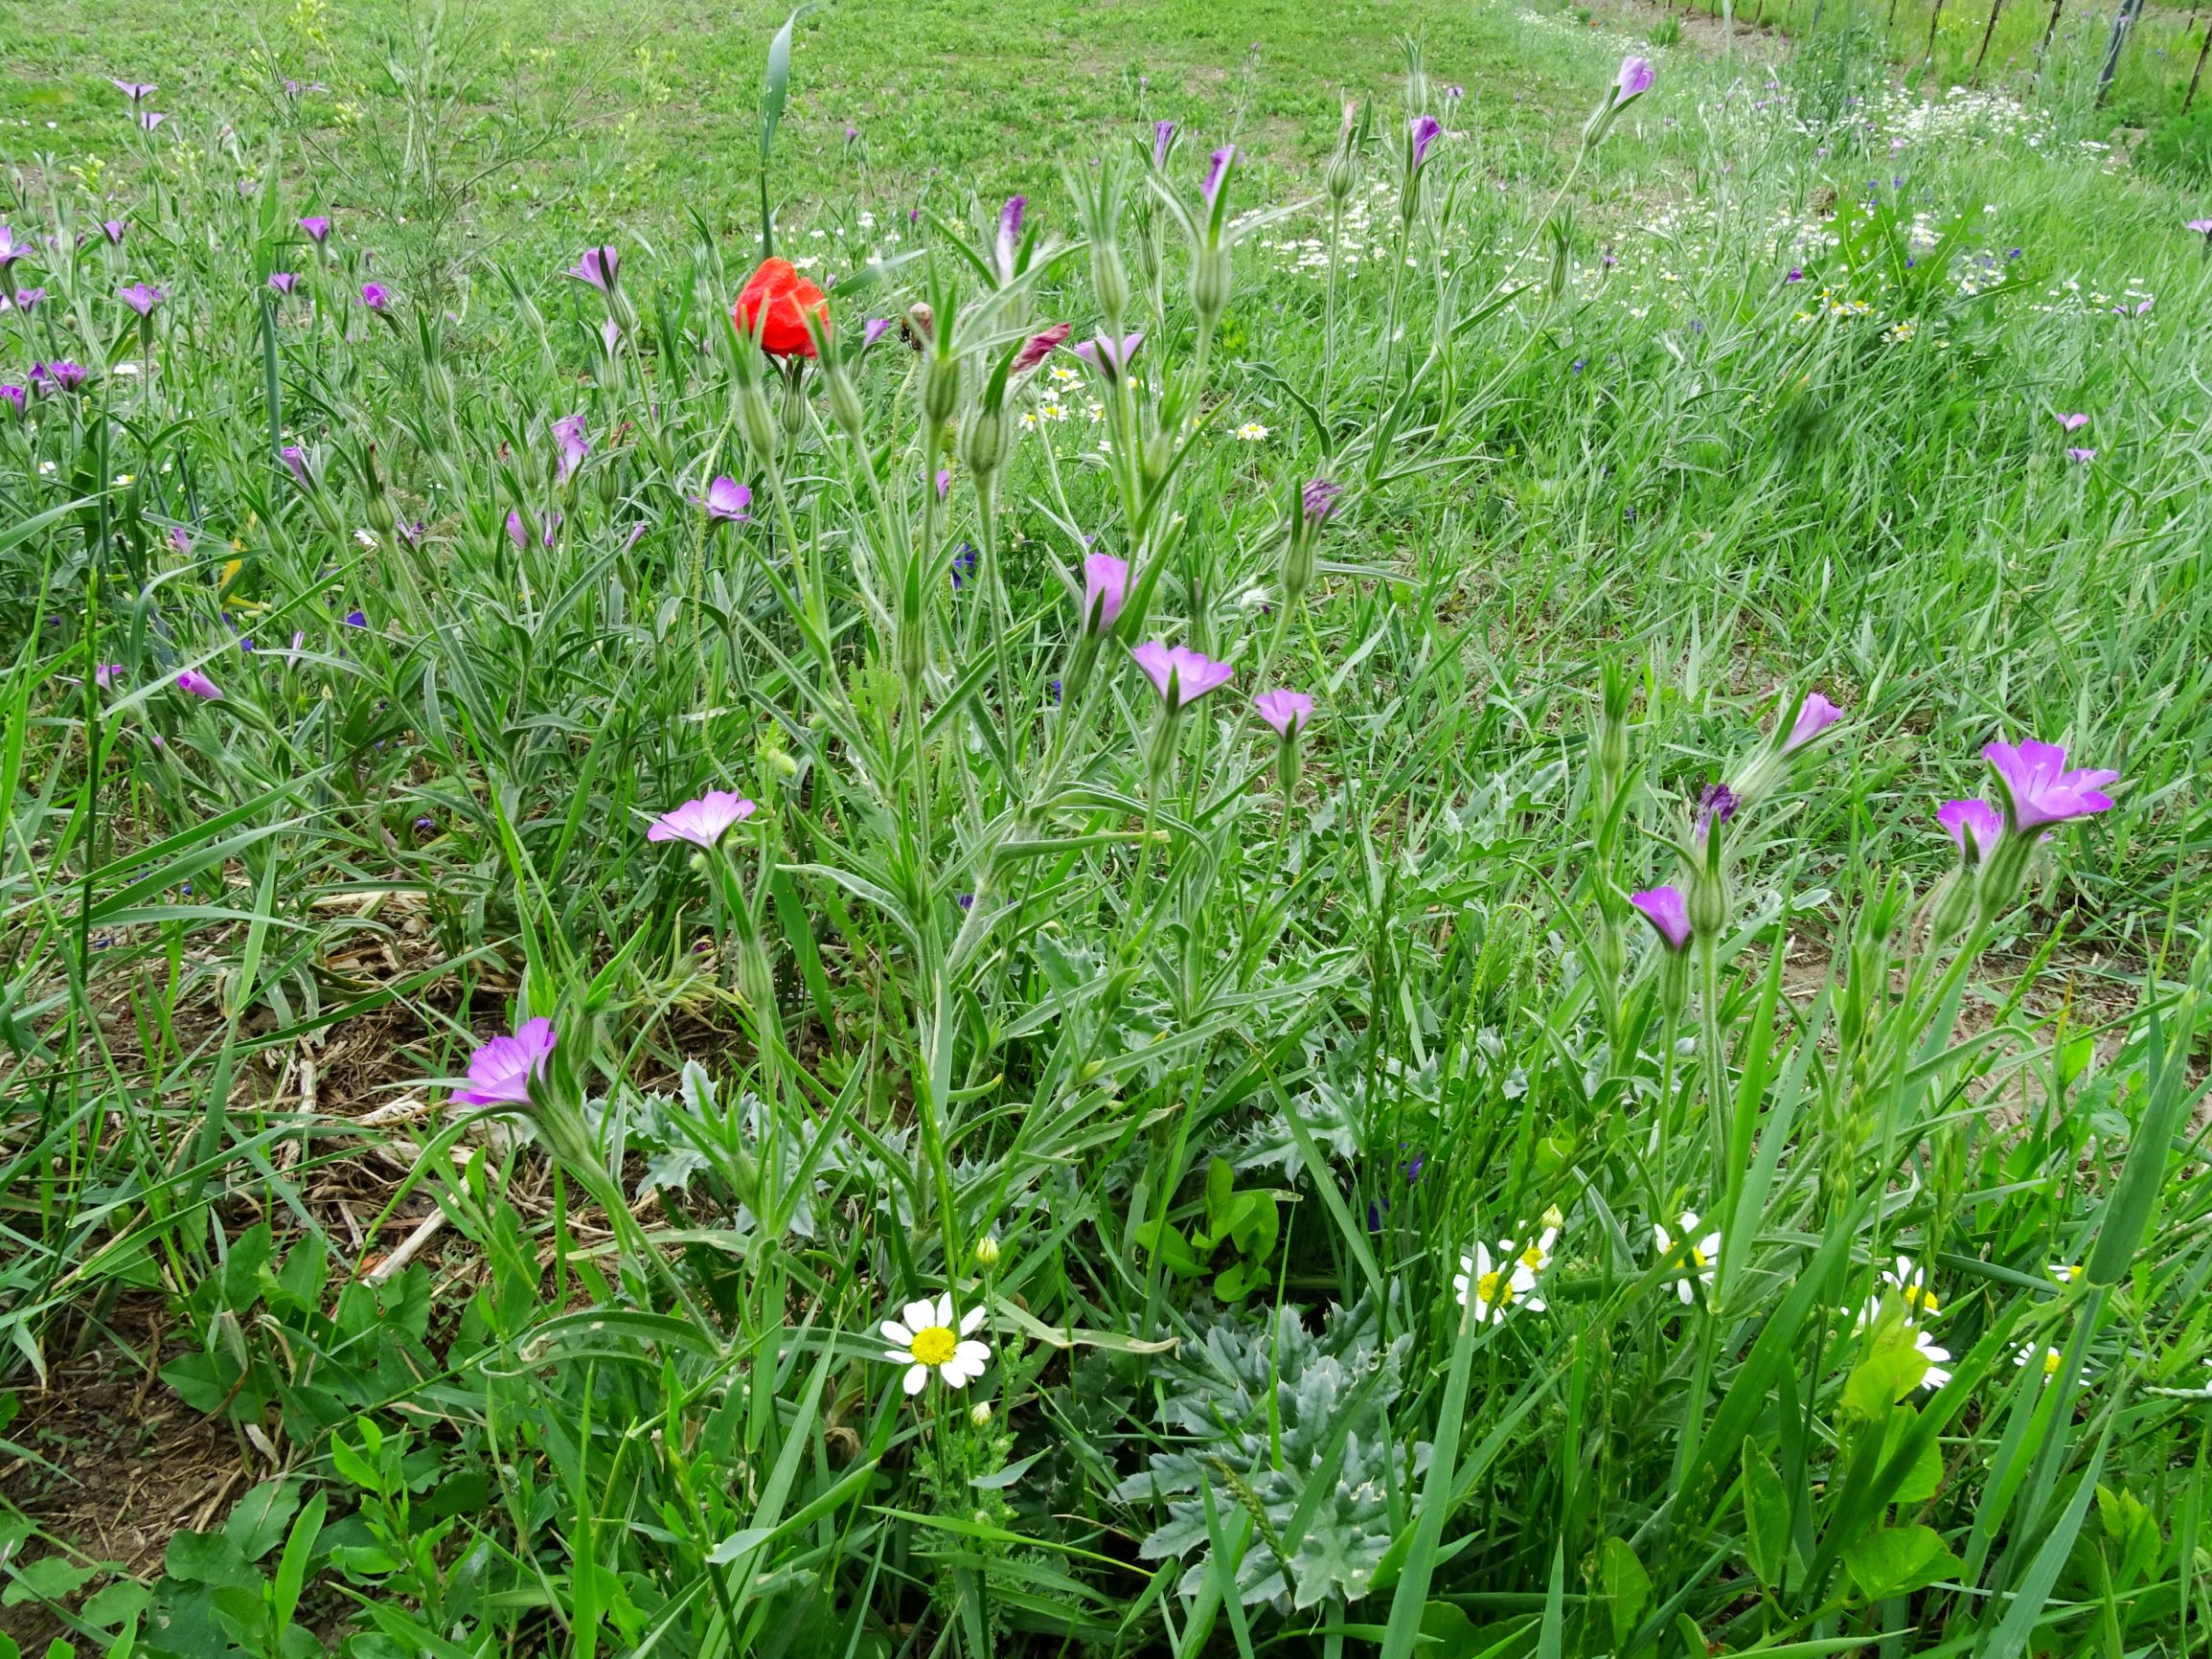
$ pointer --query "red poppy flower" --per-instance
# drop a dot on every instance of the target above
(778, 290)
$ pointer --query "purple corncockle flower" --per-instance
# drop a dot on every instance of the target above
(1217, 170)
(516, 533)
(375, 296)
(2039, 789)
(1797, 274)
(703, 822)
(2203, 227)
(1163, 140)
(963, 566)
(317, 227)
(1107, 356)
(1717, 804)
(1668, 914)
(944, 482)
(11, 250)
(194, 684)
(610, 335)
(150, 119)
(16, 399)
(65, 375)
(501, 1072)
(137, 91)
(874, 330)
(1975, 825)
(598, 267)
(1040, 346)
(180, 538)
(296, 459)
(568, 433)
(966, 900)
(1319, 498)
(2071, 423)
(2081, 456)
(142, 298)
(1105, 589)
(726, 501)
(1423, 130)
(1008, 242)
(1814, 715)
(112, 230)
(105, 675)
(356, 619)
(1636, 79)
(1288, 712)
(284, 281)
(851, 135)
(1178, 674)
(30, 299)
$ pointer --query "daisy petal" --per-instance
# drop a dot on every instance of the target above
(919, 1314)
(944, 1311)
(917, 1380)
(894, 1331)
(970, 1320)
(972, 1356)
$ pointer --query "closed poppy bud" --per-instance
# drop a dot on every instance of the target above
(772, 308)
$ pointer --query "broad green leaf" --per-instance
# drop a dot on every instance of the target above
(1894, 1560)
(1766, 1518)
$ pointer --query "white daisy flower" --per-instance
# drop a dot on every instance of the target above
(2065, 1272)
(1698, 1256)
(1537, 1255)
(929, 1340)
(2045, 1358)
(1937, 1374)
(1496, 1287)
(1910, 1283)
(1251, 432)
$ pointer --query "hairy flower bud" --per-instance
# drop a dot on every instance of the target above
(756, 421)
(1210, 283)
(1110, 279)
(986, 440)
(940, 387)
(845, 401)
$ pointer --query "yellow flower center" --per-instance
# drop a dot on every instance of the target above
(1494, 1288)
(1696, 1257)
(1916, 1296)
(2050, 1362)
(1532, 1258)
(934, 1344)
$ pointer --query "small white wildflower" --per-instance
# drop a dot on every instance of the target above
(929, 1340)
(1700, 1257)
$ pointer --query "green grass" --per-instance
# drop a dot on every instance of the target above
(1193, 1067)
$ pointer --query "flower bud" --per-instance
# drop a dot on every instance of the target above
(1210, 283)
(1708, 898)
(985, 438)
(940, 387)
(845, 401)
(979, 1414)
(794, 407)
(1111, 282)
(987, 1250)
(757, 423)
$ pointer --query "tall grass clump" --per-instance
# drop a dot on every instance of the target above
(1463, 916)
